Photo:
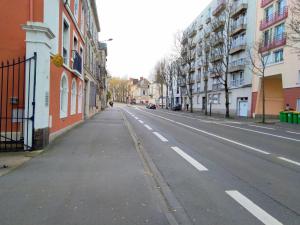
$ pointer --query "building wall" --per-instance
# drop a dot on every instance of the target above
(286, 71)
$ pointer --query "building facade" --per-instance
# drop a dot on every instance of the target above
(282, 75)
(205, 40)
(53, 37)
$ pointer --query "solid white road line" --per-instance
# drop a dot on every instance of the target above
(241, 128)
(162, 138)
(291, 132)
(191, 160)
(213, 135)
(141, 121)
(289, 160)
(269, 128)
(148, 127)
(254, 209)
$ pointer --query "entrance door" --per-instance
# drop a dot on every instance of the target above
(243, 108)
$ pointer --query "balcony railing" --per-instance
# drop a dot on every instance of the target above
(238, 8)
(265, 3)
(237, 83)
(216, 87)
(277, 42)
(237, 65)
(239, 26)
(274, 18)
(238, 46)
(77, 62)
(220, 7)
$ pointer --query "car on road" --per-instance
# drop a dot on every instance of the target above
(176, 107)
(151, 106)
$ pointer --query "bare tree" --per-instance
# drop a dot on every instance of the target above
(223, 28)
(258, 61)
(188, 55)
(294, 26)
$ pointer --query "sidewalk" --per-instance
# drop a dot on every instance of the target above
(91, 175)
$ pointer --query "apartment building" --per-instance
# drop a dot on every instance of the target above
(91, 71)
(103, 80)
(282, 76)
(139, 90)
(205, 39)
(45, 90)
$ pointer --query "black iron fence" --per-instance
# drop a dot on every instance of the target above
(17, 103)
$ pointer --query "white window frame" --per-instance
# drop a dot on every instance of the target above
(64, 18)
(76, 13)
(80, 91)
(64, 96)
(74, 97)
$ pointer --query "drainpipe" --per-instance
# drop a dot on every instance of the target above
(31, 10)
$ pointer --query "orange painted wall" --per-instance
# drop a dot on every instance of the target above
(55, 78)
(253, 103)
(291, 95)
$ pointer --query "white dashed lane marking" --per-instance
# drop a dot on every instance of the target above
(191, 160)
(254, 209)
(162, 138)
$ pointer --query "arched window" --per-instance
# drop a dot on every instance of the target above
(73, 97)
(64, 96)
(80, 98)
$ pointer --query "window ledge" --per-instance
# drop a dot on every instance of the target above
(275, 64)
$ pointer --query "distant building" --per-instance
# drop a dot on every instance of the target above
(139, 90)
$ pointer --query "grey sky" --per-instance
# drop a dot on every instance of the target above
(142, 31)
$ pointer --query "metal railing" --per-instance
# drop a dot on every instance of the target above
(77, 62)
(274, 18)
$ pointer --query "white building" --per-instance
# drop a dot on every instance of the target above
(203, 33)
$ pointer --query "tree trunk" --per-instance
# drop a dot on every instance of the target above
(162, 95)
(263, 99)
(206, 100)
(167, 97)
(227, 101)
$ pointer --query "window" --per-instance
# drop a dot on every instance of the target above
(298, 105)
(269, 13)
(279, 32)
(76, 9)
(299, 77)
(278, 56)
(80, 98)
(281, 6)
(66, 42)
(73, 97)
(82, 20)
(64, 96)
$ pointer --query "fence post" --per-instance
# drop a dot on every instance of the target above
(38, 38)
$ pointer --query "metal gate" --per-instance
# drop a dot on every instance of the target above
(17, 103)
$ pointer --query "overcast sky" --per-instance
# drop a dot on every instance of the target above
(143, 31)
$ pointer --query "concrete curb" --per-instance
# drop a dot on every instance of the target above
(171, 207)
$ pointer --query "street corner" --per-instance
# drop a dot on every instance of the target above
(9, 161)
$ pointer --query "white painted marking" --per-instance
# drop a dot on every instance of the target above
(191, 160)
(269, 128)
(162, 138)
(141, 121)
(148, 127)
(254, 209)
(260, 132)
(241, 128)
(291, 132)
(214, 135)
(289, 160)
(136, 118)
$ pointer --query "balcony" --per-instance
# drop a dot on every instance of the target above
(238, 27)
(239, 8)
(264, 3)
(208, 20)
(216, 57)
(216, 87)
(220, 7)
(238, 47)
(184, 51)
(237, 83)
(218, 25)
(274, 18)
(193, 45)
(217, 40)
(237, 65)
(200, 27)
(77, 62)
(277, 42)
(193, 33)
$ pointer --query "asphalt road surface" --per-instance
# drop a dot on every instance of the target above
(221, 171)
(134, 166)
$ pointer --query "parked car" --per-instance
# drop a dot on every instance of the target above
(176, 107)
(151, 106)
